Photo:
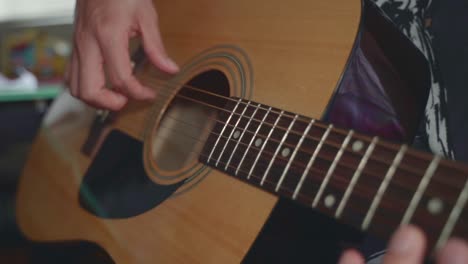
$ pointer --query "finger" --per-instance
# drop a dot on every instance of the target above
(351, 257)
(455, 251)
(74, 74)
(153, 44)
(114, 47)
(67, 74)
(406, 247)
(92, 79)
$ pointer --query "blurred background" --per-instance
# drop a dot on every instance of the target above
(35, 39)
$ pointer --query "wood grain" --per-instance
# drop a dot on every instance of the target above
(297, 48)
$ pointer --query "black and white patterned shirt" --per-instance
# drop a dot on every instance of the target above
(445, 125)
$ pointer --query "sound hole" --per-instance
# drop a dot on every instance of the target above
(188, 120)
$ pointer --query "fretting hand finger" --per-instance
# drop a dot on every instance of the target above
(407, 246)
(351, 257)
(454, 252)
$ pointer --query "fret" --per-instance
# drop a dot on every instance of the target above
(276, 152)
(369, 182)
(453, 178)
(297, 164)
(355, 177)
(278, 147)
(311, 161)
(264, 144)
(242, 136)
(251, 141)
(332, 168)
(223, 129)
(286, 169)
(437, 201)
(398, 194)
(296, 149)
(420, 190)
(383, 187)
(232, 133)
(453, 217)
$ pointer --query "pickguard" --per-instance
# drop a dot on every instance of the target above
(116, 184)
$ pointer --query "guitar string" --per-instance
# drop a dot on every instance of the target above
(342, 132)
(436, 179)
(364, 192)
(383, 205)
(407, 169)
(314, 174)
(299, 164)
(313, 139)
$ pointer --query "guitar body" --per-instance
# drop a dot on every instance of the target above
(289, 55)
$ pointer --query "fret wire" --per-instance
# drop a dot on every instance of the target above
(454, 216)
(332, 168)
(383, 144)
(293, 155)
(241, 136)
(267, 180)
(309, 126)
(380, 160)
(304, 164)
(420, 190)
(337, 130)
(252, 140)
(312, 159)
(232, 132)
(264, 144)
(459, 204)
(383, 187)
(224, 128)
(277, 149)
(355, 177)
(325, 159)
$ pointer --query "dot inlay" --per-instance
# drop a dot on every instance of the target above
(358, 146)
(237, 134)
(435, 206)
(285, 152)
(258, 142)
(330, 201)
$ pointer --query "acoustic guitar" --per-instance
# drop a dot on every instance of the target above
(197, 175)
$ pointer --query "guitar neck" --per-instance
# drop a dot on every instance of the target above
(365, 182)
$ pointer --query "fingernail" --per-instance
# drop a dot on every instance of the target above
(121, 99)
(404, 241)
(171, 65)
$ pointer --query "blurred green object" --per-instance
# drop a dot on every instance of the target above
(44, 92)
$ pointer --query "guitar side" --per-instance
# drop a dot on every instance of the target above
(299, 49)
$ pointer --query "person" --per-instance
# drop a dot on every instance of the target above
(102, 33)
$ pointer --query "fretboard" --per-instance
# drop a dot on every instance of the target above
(362, 181)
